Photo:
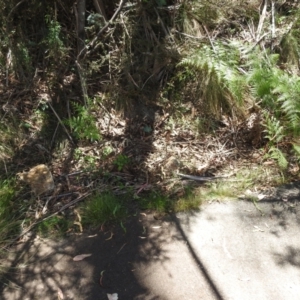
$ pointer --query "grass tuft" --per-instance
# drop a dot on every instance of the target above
(101, 208)
(191, 200)
(8, 223)
(155, 201)
(55, 226)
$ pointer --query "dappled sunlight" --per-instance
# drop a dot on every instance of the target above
(131, 125)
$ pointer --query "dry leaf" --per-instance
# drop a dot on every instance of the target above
(81, 257)
(60, 294)
(112, 296)
(257, 229)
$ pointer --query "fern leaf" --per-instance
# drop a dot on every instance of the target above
(277, 155)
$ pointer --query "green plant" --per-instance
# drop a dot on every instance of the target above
(276, 154)
(219, 191)
(288, 91)
(55, 226)
(121, 161)
(155, 201)
(53, 41)
(107, 150)
(246, 178)
(279, 93)
(222, 86)
(23, 60)
(101, 208)
(84, 124)
(10, 136)
(289, 54)
(78, 154)
(262, 80)
(274, 131)
(190, 200)
(8, 219)
(90, 160)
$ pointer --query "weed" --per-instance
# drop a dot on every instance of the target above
(107, 150)
(121, 161)
(219, 191)
(22, 59)
(276, 154)
(8, 223)
(161, 203)
(155, 201)
(53, 41)
(246, 178)
(101, 208)
(84, 124)
(55, 226)
(190, 200)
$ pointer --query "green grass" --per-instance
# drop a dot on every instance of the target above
(103, 207)
(155, 201)
(220, 191)
(191, 200)
(245, 179)
(9, 224)
(162, 203)
(55, 226)
(8, 218)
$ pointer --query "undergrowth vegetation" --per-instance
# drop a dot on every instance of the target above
(8, 214)
(123, 105)
(101, 208)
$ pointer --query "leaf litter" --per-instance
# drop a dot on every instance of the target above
(112, 296)
(81, 257)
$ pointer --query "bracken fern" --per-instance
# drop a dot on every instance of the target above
(288, 91)
(222, 85)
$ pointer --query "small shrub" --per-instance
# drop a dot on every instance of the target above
(84, 124)
(121, 161)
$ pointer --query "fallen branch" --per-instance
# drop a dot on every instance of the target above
(61, 123)
(89, 47)
(199, 178)
(261, 20)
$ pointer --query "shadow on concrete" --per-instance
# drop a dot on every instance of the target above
(208, 277)
(146, 260)
(226, 250)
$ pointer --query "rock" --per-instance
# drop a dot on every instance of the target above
(39, 178)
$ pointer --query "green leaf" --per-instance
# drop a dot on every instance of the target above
(147, 129)
(161, 2)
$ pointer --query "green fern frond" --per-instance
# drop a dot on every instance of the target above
(289, 95)
(290, 52)
(273, 129)
(296, 149)
(263, 77)
(222, 84)
(83, 124)
(277, 155)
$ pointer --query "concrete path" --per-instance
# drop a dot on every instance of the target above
(232, 250)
